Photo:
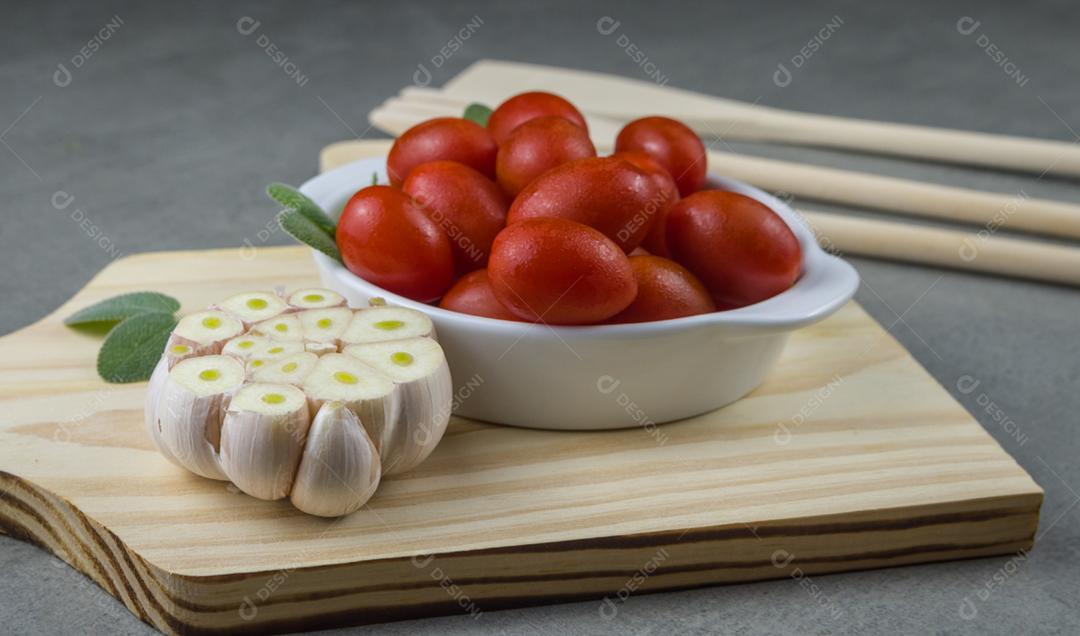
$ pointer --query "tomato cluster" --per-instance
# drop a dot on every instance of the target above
(521, 220)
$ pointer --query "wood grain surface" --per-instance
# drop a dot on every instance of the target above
(850, 456)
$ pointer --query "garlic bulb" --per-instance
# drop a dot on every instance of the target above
(300, 397)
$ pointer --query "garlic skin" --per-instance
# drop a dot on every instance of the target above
(190, 409)
(418, 367)
(153, 395)
(340, 468)
(300, 397)
(263, 437)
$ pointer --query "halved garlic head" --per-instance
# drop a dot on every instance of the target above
(315, 298)
(263, 438)
(280, 412)
(253, 307)
(378, 324)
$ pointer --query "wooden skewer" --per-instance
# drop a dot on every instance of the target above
(946, 248)
(873, 238)
(625, 99)
(858, 189)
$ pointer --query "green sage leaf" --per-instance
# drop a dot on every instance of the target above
(477, 113)
(118, 308)
(293, 199)
(132, 349)
(304, 230)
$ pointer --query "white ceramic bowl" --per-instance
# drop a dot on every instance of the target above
(608, 376)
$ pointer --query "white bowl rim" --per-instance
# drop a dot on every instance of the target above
(826, 282)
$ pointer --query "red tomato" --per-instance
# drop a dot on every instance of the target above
(448, 138)
(472, 295)
(606, 193)
(672, 144)
(468, 207)
(656, 240)
(386, 239)
(665, 290)
(560, 272)
(738, 247)
(537, 146)
(525, 106)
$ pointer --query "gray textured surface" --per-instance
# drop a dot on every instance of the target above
(167, 134)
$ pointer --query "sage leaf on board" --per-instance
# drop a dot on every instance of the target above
(293, 199)
(132, 349)
(118, 308)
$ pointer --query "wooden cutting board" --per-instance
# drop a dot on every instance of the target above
(850, 456)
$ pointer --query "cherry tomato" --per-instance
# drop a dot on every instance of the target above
(560, 272)
(672, 144)
(606, 193)
(665, 290)
(740, 249)
(525, 106)
(447, 138)
(468, 207)
(537, 146)
(472, 294)
(656, 240)
(386, 239)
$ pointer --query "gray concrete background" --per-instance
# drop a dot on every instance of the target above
(166, 135)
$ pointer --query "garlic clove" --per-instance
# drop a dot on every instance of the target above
(372, 396)
(381, 323)
(253, 307)
(176, 351)
(290, 369)
(340, 468)
(285, 327)
(190, 407)
(263, 437)
(325, 325)
(419, 368)
(204, 332)
(274, 349)
(315, 298)
(154, 389)
(245, 347)
(321, 348)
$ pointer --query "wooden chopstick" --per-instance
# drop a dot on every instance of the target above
(624, 99)
(979, 208)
